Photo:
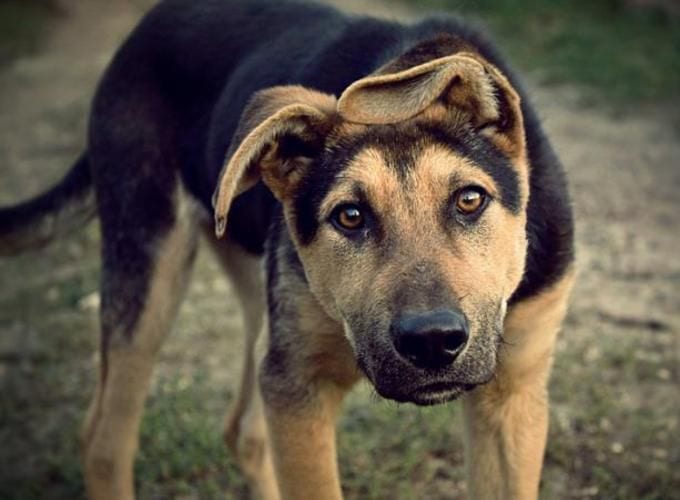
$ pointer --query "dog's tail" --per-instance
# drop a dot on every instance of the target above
(61, 209)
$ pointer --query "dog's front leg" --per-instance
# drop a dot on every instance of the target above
(303, 445)
(506, 420)
(302, 395)
(505, 439)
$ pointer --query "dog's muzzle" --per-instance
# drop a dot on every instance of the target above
(428, 357)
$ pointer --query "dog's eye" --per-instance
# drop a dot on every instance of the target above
(348, 217)
(470, 200)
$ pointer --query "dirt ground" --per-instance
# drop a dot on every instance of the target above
(616, 411)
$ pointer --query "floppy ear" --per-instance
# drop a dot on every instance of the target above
(280, 130)
(465, 82)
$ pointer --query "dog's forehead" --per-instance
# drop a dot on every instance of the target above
(386, 177)
(424, 156)
(421, 156)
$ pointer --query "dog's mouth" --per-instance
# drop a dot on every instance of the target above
(438, 393)
(428, 394)
(396, 379)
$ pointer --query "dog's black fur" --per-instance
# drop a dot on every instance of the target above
(168, 107)
(190, 68)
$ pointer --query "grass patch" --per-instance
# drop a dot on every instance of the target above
(614, 411)
(46, 368)
(614, 404)
(617, 51)
(23, 26)
(181, 450)
(399, 451)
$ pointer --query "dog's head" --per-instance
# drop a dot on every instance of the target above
(405, 199)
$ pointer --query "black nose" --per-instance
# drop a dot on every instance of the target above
(430, 340)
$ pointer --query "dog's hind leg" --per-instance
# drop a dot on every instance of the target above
(148, 229)
(507, 419)
(139, 302)
(245, 431)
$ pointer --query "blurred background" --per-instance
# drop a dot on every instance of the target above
(605, 77)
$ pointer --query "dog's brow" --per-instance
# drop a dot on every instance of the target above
(401, 146)
(481, 154)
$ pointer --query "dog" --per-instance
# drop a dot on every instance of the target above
(384, 200)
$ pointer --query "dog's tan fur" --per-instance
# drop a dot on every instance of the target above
(270, 114)
(303, 431)
(507, 420)
(412, 218)
(467, 83)
(411, 226)
(245, 431)
(283, 429)
(110, 434)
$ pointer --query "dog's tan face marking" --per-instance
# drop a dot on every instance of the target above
(372, 186)
(414, 252)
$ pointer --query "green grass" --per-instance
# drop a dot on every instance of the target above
(613, 419)
(47, 374)
(614, 416)
(618, 52)
(23, 26)
(181, 452)
(404, 460)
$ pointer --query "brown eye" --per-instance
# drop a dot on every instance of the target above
(470, 200)
(348, 217)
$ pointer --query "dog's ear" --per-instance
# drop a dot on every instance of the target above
(280, 131)
(465, 82)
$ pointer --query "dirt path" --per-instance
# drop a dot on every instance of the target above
(624, 326)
